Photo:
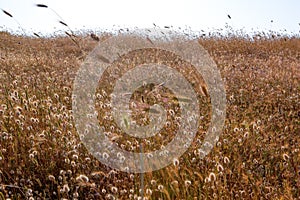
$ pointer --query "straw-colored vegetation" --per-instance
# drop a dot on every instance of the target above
(257, 156)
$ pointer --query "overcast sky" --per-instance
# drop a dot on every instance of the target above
(255, 15)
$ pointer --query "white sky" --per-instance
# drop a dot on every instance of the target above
(113, 14)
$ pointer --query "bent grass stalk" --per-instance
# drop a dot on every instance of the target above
(72, 36)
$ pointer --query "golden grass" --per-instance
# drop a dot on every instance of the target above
(257, 156)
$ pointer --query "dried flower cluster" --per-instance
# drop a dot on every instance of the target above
(257, 155)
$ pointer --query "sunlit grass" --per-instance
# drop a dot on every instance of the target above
(256, 157)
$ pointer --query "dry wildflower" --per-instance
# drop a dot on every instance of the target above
(105, 155)
(75, 195)
(67, 160)
(220, 168)
(207, 180)
(62, 172)
(149, 155)
(285, 157)
(82, 178)
(31, 156)
(160, 187)
(174, 182)
(110, 197)
(149, 191)
(171, 112)
(212, 177)
(29, 192)
(175, 162)
(75, 157)
(56, 96)
(194, 160)
(187, 183)
(66, 188)
(18, 108)
(258, 122)
(51, 178)
(114, 189)
(153, 182)
(226, 160)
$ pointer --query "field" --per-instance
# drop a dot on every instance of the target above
(256, 157)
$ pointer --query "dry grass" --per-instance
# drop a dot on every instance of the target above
(257, 156)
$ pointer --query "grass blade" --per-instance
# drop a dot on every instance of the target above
(41, 5)
(7, 13)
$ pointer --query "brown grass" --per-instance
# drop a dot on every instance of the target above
(257, 156)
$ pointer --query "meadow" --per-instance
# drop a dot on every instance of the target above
(256, 157)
